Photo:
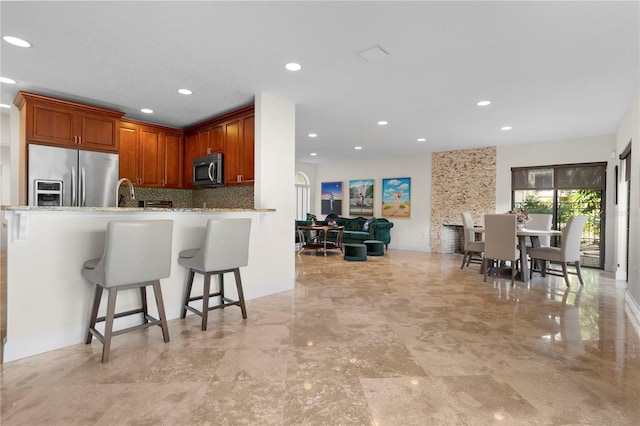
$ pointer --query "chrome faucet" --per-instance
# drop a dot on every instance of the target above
(120, 182)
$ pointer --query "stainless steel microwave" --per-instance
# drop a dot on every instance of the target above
(207, 170)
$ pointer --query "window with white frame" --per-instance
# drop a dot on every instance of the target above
(302, 195)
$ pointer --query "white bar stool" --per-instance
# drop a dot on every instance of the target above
(225, 249)
(137, 254)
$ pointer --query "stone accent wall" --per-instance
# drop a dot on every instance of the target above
(463, 180)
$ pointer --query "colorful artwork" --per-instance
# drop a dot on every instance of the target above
(331, 198)
(396, 197)
(361, 197)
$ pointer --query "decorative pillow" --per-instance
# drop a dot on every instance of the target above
(367, 224)
(332, 223)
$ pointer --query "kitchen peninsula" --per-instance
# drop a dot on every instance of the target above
(48, 299)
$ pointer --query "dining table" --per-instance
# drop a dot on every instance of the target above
(522, 234)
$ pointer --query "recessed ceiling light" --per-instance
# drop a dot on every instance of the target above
(147, 110)
(5, 106)
(483, 103)
(382, 123)
(506, 128)
(16, 41)
(7, 80)
(185, 91)
(357, 147)
(293, 66)
(313, 135)
(313, 154)
(421, 139)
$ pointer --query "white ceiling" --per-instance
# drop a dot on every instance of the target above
(553, 70)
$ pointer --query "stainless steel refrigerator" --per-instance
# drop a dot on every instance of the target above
(71, 177)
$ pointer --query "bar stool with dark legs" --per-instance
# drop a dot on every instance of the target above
(137, 254)
(225, 249)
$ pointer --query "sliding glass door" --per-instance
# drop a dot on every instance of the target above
(565, 191)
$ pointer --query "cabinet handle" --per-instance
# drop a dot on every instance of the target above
(162, 182)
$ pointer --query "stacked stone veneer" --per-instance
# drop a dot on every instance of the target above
(462, 180)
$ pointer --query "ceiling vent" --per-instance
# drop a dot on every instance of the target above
(373, 54)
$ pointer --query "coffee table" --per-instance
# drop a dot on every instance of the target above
(321, 242)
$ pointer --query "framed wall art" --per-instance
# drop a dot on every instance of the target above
(331, 198)
(396, 197)
(361, 197)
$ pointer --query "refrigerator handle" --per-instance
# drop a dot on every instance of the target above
(83, 187)
(73, 186)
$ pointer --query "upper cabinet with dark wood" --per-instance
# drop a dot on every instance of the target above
(67, 124)
(151, 156)
(231, 134)
(239, 151)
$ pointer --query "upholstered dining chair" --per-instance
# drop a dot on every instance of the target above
(225, 250)
(137, 254)
(500, 242)
(568, 252)
(471, 246)
(541, 221)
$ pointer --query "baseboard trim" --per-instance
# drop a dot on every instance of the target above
(633, 310)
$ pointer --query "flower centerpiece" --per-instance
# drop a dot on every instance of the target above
(521, 216)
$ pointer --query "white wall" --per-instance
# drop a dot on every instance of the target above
(5, 175)
(307, 169)
(629, 130)
(407, 233)
(569, 151)
(48, 306)
(274, 170)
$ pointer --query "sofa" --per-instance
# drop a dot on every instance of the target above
(354, 233)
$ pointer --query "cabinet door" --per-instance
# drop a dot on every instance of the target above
(216, 141)
(190, 152)
(98, 132)
(231, 160)
(128, 160)
(151, 153)
(246, 150)
(173, 161)
(51, 124)
(204, 138)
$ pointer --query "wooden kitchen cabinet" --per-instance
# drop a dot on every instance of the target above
(173, 149)
(68, 124)
(233, 135)
(239, 151)
(151, 156)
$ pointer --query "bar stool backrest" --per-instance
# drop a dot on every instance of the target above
(136, 251)
(226, 244)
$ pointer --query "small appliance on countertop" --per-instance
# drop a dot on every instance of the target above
(157, 204)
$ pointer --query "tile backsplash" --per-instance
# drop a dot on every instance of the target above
(221, 197)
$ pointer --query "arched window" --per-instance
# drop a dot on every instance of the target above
(302, 195)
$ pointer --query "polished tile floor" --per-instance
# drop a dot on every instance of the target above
(404, 339)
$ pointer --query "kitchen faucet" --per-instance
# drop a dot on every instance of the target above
(120, 182)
